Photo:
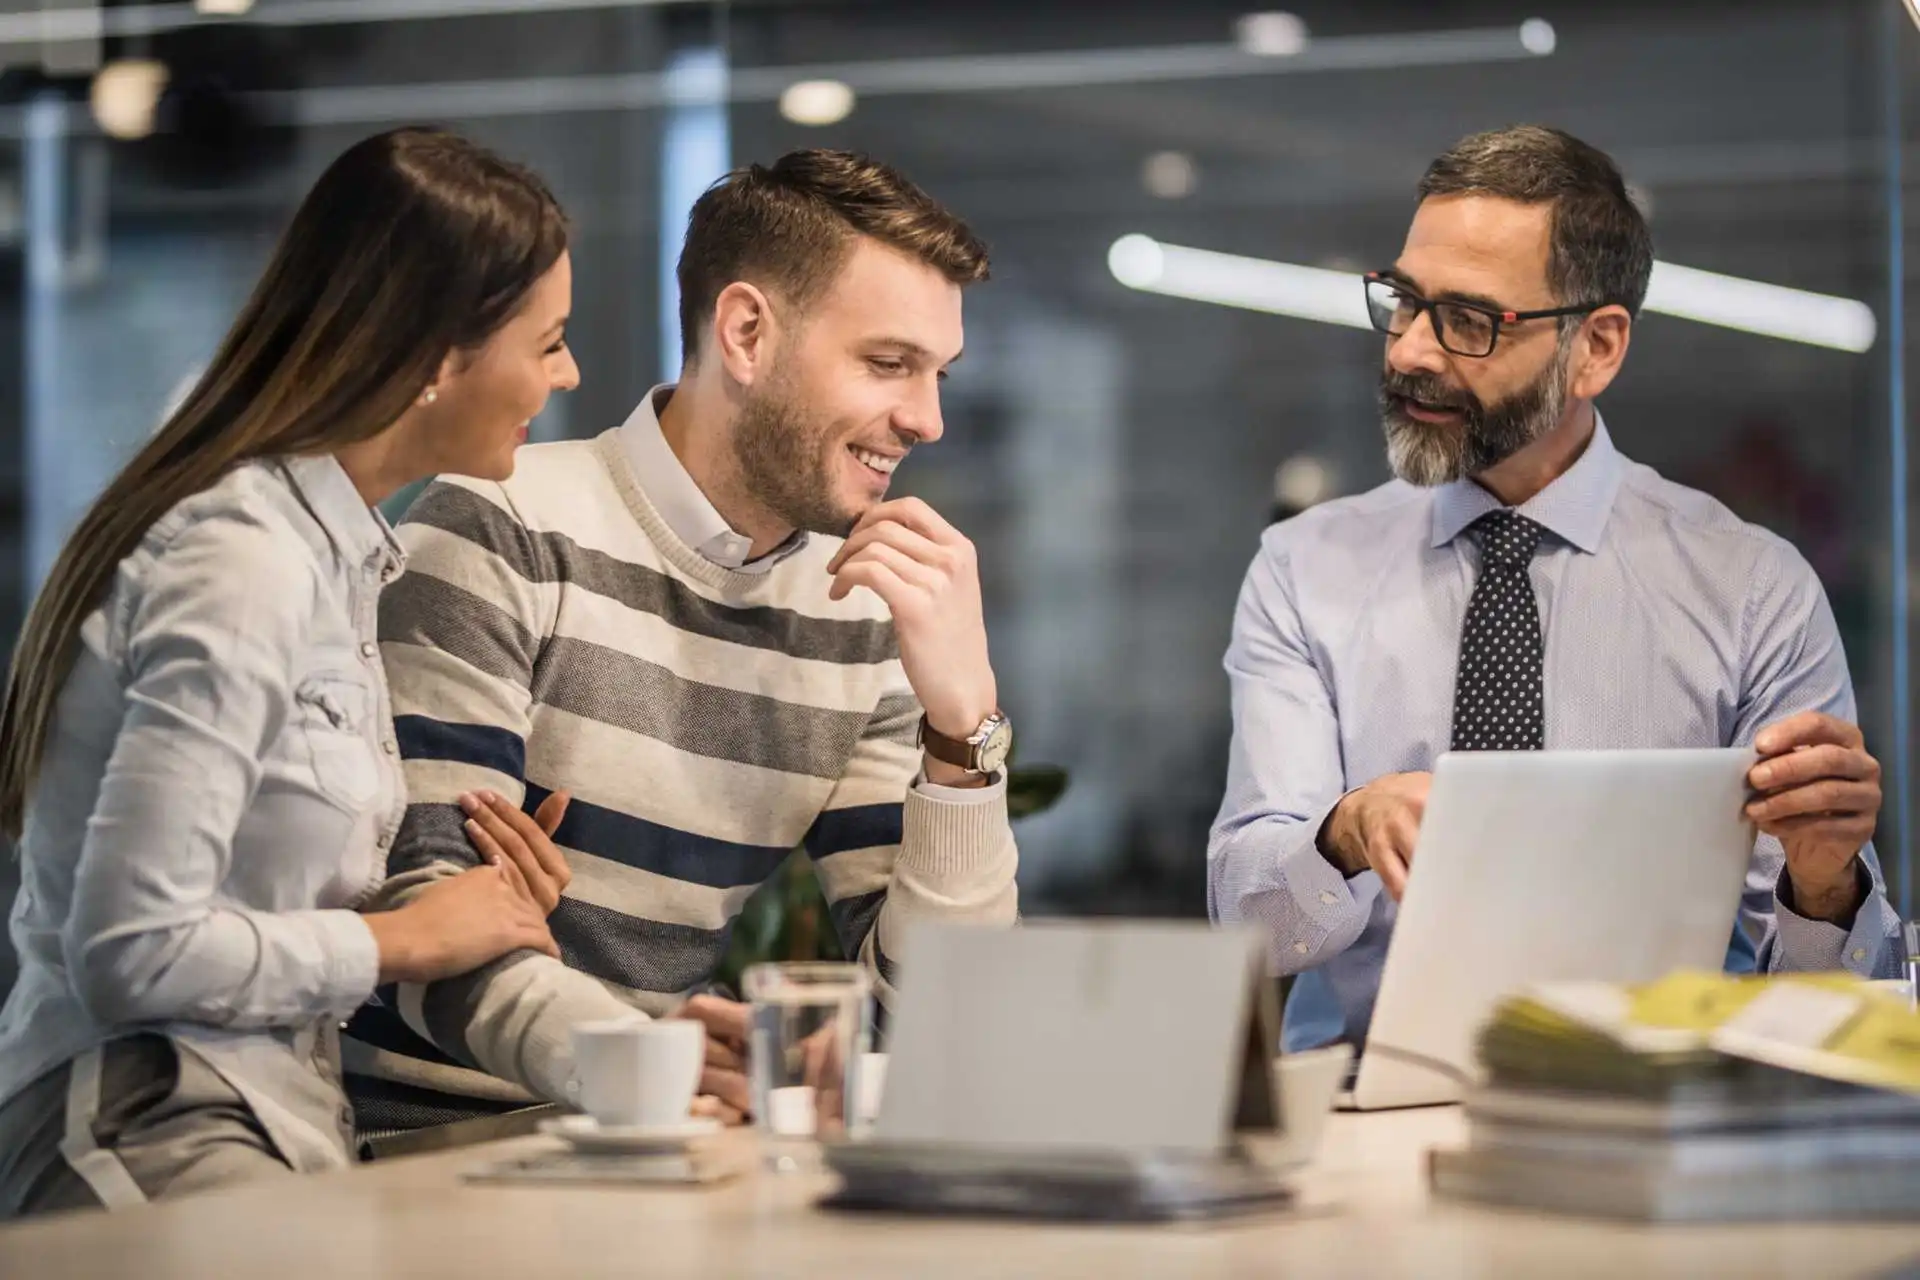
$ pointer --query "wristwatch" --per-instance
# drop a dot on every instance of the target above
(982, 752)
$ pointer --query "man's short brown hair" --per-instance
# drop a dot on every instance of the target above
(789, 227)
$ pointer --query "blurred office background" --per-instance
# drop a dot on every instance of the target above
(1114, 450)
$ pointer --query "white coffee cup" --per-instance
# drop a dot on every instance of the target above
(629, 1072)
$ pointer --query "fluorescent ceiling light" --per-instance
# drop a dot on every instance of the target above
(1770, 309)
(23, 34)
(152, 19)
(1336, 297)
(1913, 10)
(1279, 288)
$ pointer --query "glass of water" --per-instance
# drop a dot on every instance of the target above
(1910, 935)
(811, 1027)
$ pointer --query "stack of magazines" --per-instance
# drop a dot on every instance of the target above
(1701, 1097)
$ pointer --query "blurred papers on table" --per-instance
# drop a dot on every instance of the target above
(1698, 1097)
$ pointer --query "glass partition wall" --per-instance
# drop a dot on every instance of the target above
(1134, 408)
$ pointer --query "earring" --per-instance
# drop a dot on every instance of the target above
(430, 396)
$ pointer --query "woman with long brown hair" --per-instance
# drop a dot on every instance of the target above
(197, 752)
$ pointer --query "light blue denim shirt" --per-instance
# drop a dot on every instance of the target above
(216, 795)
(1668, 622)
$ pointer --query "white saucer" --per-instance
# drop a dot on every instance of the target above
(587, 1134)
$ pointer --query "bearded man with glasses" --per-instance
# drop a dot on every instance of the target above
(1521, 586)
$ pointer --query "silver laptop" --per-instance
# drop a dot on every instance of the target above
(1106, 1070)
(1077, 1035)
(1541, 866)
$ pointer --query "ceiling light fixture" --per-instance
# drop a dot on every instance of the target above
(1171, 175)
(1256, 284)
(1303, 481)
(1335, 297)
(1752, 306)
(1271, 35)
(126, 96)
(816, 102)
(23, 34)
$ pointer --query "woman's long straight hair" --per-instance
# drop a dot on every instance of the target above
(412, 245)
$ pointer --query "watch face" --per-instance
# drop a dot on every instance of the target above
(994, 751)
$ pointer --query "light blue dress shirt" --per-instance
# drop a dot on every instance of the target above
(218, 792)
(1668, 621)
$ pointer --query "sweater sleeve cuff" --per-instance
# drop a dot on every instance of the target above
(546, 1061)
(955, 830)
(995, 789)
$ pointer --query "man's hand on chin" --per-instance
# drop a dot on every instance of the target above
(1818, 793)
(906, 553)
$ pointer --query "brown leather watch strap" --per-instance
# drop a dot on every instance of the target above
(954, 751)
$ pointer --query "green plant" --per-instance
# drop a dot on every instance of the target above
(1034, 788)
(787, 916)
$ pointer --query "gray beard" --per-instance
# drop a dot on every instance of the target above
(1427, 455)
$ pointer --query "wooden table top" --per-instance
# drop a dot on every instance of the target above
(1367, 1213)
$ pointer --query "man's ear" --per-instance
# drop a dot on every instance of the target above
(1604, 338)
(741, 336)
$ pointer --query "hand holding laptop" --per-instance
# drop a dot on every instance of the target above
(1819, 793)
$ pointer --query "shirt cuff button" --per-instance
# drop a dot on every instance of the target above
(1329, 898)
(1301, 948)
(1859, 953)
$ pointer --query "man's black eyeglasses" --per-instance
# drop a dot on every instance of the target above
(1464, 328)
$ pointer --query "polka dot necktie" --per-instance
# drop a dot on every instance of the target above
(1498, 696)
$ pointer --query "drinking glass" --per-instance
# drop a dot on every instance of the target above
(810, 1025)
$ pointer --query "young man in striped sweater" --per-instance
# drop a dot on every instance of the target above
(710, 629)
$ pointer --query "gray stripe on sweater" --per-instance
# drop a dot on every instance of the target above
(421, 609)
(598, 683)
(854, 918)
(429, 834)
(642, 955)
(897, 719)
(540, 556)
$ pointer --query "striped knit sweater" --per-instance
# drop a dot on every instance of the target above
(553, 633)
